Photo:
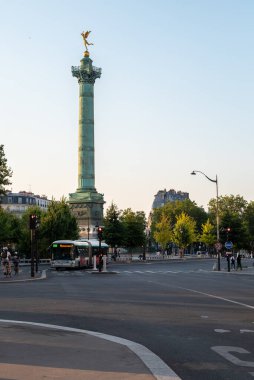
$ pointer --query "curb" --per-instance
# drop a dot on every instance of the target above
(42, 277)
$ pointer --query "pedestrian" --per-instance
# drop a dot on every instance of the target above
(100, 264)
(232, 260)
(15, 261)
(238, 261)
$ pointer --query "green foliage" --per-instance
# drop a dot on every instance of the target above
(249, 224)
(173, 209)
(163, 231)
(113, 228)
(184, 232)
(5, 172)
(208, 235)
(232, 211)
(10, 230)
(134, 224)
(58, 222)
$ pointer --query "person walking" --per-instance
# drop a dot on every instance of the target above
(100, 264)
(232, 260)
(238, 261)
(15, 261)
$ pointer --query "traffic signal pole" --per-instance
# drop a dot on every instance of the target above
(32, 252)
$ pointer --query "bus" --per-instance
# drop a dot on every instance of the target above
(75, 253)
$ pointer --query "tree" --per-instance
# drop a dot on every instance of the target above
(173, 209)
(58, 223)
(184, 232)
(113, 228)
(5, 172)
(134, 224)
(249, 223)
(9, 228)
(163, 231)
(231, 218)
(24, 243)
(208, 235)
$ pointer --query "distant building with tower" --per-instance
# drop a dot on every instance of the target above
(86, 203)
(164, 196)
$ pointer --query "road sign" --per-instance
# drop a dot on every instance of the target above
(229, 244)
(218, 246)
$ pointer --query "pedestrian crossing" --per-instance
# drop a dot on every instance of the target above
(132, 272)
(163, 272)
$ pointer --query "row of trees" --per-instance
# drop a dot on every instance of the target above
(56, 223)
(184, 223)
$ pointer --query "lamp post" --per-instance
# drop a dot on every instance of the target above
(194, 172)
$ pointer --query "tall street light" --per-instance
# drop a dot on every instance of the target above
(194, 172)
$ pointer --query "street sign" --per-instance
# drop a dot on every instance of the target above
(229, 244)
(218, 246)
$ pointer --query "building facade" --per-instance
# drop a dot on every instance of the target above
(164, 196)
(18, 203)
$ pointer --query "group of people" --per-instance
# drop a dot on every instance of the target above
(7, 260)
(238, 262)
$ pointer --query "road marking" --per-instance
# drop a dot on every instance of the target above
(246, 331)
(225, 352)
(221, 331)
(158, 368)
(218, 297)
(204, 316)
(251, 373)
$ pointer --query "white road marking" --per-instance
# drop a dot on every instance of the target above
(158, 368)
(221, 331)
(204, 316)
(218, 297)
(225, 352)
(246, 331)
(251, 373)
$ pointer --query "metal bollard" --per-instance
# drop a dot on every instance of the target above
(94, 263)
(104, 269)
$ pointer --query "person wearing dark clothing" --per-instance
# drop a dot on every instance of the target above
(100, 265)
(239, 261)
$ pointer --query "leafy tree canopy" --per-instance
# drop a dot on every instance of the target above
(184, 232)
(5, 172)
(134, 224)
(113, 228)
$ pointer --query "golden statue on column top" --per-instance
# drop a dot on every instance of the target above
(86, 43)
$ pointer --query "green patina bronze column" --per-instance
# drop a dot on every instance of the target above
(86, 203)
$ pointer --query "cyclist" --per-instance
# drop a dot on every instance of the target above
(6, 262)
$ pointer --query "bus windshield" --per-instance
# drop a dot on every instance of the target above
(62, 251)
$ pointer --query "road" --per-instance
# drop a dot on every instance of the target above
(198, 321)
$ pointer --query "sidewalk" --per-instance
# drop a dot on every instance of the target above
(39, 351)
(23, 275)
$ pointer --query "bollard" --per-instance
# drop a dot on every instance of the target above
(104, 269)
(94, 263)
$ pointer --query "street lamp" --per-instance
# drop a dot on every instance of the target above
(194, 172)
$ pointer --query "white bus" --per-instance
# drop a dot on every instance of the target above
(75, 253)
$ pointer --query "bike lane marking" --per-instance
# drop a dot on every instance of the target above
(225, 352)
(159, 369)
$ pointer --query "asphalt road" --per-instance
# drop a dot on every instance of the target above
(199, 322)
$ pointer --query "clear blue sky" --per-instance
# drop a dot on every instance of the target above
(176, 94)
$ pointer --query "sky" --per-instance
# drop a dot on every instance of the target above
(175, 95)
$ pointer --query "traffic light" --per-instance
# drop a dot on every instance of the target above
(32, 222)
(100, 233)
